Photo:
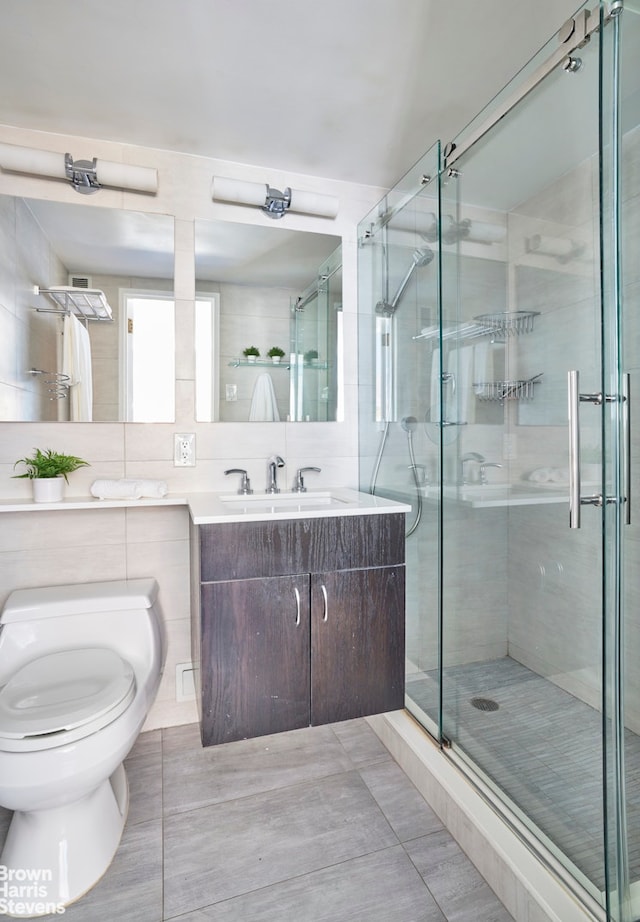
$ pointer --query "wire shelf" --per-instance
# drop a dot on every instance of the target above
(508, 323)
(506, 390)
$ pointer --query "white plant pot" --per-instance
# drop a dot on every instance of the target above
(275, 359)
(48, 489)
(252, 359)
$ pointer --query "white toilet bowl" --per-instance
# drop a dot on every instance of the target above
(79, 669)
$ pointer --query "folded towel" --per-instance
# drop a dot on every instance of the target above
(128, 489)
(559, 475)
(541, 475)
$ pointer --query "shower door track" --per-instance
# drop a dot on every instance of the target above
(583, 891)
(579, 31)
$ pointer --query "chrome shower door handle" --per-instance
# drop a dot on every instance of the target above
(626, 447)
(573, 384)
(575, 498)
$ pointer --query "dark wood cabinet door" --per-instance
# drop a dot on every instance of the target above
(357, 643)
(255, 657)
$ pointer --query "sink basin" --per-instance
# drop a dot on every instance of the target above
(279, 502)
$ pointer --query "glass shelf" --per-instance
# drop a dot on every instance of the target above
(238, 363)
(242, 363)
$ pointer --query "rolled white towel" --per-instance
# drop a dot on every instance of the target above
(154, 489)
(559, 475)
(540, 475)
(129, 489)
(117, 489)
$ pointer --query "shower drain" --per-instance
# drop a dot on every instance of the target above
(485, 704)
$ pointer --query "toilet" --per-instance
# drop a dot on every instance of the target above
(80, 666)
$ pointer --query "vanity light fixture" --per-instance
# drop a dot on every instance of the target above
(86, 176)
(272, 201)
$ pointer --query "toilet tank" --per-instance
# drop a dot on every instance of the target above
(121, 615)
(79, 598)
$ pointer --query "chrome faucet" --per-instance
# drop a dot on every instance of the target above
(470, 456)
(483, 470)
(245, 485)
(298, 486)
(275, 461)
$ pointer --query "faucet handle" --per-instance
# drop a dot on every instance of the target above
(298, 486)
(245, 484)
(483, 470)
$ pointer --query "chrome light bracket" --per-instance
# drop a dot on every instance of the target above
(277, 202)
(82, 175)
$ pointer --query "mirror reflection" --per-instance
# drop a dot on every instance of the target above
(87, 313)
(268, 324)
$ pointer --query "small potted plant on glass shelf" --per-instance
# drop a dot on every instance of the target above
(311, 357)
(275, 353)
(49, 470)
(251, 353)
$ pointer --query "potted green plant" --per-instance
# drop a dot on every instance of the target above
(49, 472)
(251, 353)
(311, 357)
(275, 353)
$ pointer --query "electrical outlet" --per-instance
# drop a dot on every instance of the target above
(184, 449)
(185, 684)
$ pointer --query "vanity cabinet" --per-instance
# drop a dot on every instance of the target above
(298, 622)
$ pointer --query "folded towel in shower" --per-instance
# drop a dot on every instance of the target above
(559, 475)
(129, 489)
(540, 475)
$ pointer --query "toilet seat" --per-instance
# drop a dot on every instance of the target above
(74, 692)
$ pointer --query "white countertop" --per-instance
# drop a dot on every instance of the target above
(209, 508)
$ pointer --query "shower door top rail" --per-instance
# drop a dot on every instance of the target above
(573, 35)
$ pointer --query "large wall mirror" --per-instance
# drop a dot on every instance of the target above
(86, 312)
(267, 290)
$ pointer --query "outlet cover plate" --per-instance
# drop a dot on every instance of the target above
(184, 449)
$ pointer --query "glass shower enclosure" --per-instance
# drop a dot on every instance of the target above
(499, 341)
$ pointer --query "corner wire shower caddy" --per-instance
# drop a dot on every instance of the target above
(502, 326)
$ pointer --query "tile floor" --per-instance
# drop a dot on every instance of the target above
(315, 825)
(543, 747)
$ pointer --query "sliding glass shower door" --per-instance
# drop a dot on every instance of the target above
(523, 591)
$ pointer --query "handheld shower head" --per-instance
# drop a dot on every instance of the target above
(409, 424)
(421, 256)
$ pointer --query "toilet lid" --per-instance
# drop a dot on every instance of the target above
(62, 691)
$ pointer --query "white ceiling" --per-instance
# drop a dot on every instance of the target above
(354, 90)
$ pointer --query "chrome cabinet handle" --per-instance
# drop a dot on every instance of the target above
(325, 603)
(626, 447)
(297, 595)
